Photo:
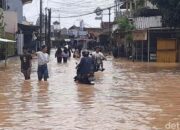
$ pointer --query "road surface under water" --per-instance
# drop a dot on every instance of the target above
(126, 96)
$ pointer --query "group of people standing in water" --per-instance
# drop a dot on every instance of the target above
(26, 63)
(89, 61)
(63, 54)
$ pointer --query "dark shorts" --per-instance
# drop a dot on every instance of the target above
(26, 73)
(65, 59)
(43, 72)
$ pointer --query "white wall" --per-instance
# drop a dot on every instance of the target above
(17, 6)
(147, 22)
(10, 19)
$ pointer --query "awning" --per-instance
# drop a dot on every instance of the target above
(6, 40)
(67, 40)
(26, 1)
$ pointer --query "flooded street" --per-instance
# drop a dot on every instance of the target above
(126, 96)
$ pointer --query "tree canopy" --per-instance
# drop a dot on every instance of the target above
(170, 10)
(124, 24)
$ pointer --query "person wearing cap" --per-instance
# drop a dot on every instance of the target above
(85, 67)
(43, 59)
(26, 63)
(86, 63)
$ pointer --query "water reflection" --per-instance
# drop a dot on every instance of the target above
(43, 94)
(5, 110)
(26, 95)
(85, 95)
(43, 106)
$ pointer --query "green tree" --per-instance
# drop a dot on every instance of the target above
(124, 24)
(126, 27)
(2, 24)
(170, 10)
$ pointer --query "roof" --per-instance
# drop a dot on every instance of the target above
(74, 27)
(27, 29)
(93, 29)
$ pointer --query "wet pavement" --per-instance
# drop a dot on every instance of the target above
(126, 96)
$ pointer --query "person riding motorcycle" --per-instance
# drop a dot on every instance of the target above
(85, 72)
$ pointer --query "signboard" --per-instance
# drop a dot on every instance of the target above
(83, 33)
(140, 35)
(153, 56)
(98, 11)
(98, 18)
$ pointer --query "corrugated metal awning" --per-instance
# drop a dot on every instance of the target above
(6, 40)
(26, 1)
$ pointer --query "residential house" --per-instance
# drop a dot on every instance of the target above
(73, 31)
(12, 16)
(64, 33)
(88, 36)
(151, 41)
(17, 6)
(107, 27)
(94, 33)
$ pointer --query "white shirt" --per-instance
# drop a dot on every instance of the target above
(66, 55)
(43, 58)
(98, 56)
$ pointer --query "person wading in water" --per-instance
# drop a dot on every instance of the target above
(26, 63)
(43, 59)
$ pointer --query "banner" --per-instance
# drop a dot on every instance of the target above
(140, 35)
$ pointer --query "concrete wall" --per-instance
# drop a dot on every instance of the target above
(10, 19)
(17, 6)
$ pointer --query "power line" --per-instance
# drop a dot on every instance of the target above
(86, 13)
(78, 6)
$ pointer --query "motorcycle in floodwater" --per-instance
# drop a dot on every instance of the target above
(84, 78)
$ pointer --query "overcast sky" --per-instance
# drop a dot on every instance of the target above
(64, 8)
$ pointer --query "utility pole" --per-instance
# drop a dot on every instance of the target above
(40, 22)
(116, 9)
(59, 21)
(49, 31)
(127, 5)
(109, 25)
(131, 8)
(46, 23)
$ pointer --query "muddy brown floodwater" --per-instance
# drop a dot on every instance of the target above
(126, 96)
